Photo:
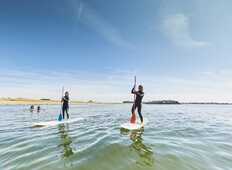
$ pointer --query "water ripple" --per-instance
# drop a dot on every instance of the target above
(185, 137)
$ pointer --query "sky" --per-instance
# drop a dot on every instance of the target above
(178, 49)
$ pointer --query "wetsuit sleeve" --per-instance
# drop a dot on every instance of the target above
(133, 90)
(140, 94)
(66, 98)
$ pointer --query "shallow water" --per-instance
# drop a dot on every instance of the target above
(177, 137)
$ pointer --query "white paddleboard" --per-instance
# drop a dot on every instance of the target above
(54, 122)
(133, 126)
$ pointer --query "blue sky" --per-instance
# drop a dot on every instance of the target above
(178, 49)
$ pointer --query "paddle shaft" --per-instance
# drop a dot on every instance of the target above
(133, 116)
(134, 88)
(62, 95)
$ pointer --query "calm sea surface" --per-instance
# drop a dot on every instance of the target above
(177, 137)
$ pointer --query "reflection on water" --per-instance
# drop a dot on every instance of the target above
(145, 153)
(65, 141)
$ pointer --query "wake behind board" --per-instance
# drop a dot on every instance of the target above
(54, 122)
(133, 126)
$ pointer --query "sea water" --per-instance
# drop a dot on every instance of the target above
(177, 137)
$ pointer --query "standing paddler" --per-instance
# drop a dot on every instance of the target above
(65, 105)
(137, 103)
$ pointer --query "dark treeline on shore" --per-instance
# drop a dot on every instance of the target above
(157, 102)
(176, 102)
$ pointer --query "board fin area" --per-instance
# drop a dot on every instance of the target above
(133, 126)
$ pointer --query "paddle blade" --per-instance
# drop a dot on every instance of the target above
(60, 117)
(133, 118)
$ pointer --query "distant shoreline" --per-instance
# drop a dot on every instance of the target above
(174, 102)
(23, 101)
(208, 103)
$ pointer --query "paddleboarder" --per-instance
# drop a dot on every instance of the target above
(38, 109)
(138, 102)
(32, 108)
(65, 106)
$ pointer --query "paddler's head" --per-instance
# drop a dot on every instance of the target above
(140, 88)
(66, 93)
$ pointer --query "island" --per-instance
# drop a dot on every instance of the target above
(163, 102)
(157, 102)
(177, 102)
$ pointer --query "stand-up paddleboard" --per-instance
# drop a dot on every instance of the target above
(133, 126)
(54, 122)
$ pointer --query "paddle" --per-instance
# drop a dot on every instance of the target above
(60, 118)
(133, 116)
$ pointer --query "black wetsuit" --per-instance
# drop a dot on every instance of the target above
(138, 102)
(65, 106)
(38, 109)
(31, 108)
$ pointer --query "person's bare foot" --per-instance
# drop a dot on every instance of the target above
(142, 124)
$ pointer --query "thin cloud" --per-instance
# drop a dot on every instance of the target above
(177, 29)
(82, 85)
(92, 19)
(206, 86)
(80, 9)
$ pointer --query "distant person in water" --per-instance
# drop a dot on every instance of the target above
(65, 106)
(138, 102)
(38, 109)
(32, 108)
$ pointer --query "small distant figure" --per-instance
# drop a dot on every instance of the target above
(65, 106)
(138, 102)
(38, 109)
(32, 108)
